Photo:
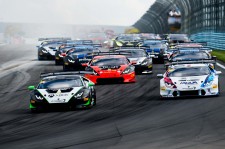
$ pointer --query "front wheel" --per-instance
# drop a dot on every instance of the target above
(40, 58)
(57, 62)
(65, 68)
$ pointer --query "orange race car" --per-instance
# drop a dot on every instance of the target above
(110, 68)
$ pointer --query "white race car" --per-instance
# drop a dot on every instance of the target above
(189, 80)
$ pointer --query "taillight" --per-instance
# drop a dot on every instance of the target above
(63, 54)
(169, 82)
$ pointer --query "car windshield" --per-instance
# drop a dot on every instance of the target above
(190, 71)
(190, 56)
(109, 62)
(60, 83)
(135, 53)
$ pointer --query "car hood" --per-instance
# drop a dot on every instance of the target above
(138, 60)
(59, 96)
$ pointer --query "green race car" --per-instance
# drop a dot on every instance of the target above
(63, 89)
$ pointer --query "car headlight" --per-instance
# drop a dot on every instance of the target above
(82, 94)
(119, 43)
(71, 61)
(39, 97)
(91, 70)
(129, 69)
(44, 50)
(145, 62)
(79, 94)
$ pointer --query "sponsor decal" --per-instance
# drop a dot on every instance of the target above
(189, 83)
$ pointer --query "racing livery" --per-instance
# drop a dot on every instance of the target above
(189, 80)
(62, 89)
(115, 68)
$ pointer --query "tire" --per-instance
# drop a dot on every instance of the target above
(94, 96)
(65, 68)
(57, 62)
(161, 60)
(40, 58)
(34, 110)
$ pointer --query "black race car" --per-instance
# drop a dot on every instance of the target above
(78, 57)
(62, 89)
(139, 58)
(48, 47)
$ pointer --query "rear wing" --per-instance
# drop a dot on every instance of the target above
(184, 43)
(55, 39)
(43, 75)
(191, 62)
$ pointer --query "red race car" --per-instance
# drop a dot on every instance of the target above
(110, 68)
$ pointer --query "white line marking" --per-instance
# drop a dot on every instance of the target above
(220, 65)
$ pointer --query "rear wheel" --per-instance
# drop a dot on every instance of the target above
(57, 62)
(40, 58)
(65, 68)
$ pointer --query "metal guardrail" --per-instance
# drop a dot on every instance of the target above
(214, 40)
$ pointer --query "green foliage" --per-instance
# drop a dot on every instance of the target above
(220, 54)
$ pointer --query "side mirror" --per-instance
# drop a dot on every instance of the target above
(218, 72)
(159, 75)
(91, 84)
(31, 88)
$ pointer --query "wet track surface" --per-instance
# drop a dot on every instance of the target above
(126, 116)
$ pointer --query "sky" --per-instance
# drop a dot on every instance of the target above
(82, 12)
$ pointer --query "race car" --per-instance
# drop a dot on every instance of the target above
(47, 49)
(189, 80)
(125, 40)
(139, 58)
(148, 36)
(177, 38)
(78, 57)
(62, 50)
(62, 89)
(155, 47)
(110, 68)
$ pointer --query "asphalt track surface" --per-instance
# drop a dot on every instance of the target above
(127, 116)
